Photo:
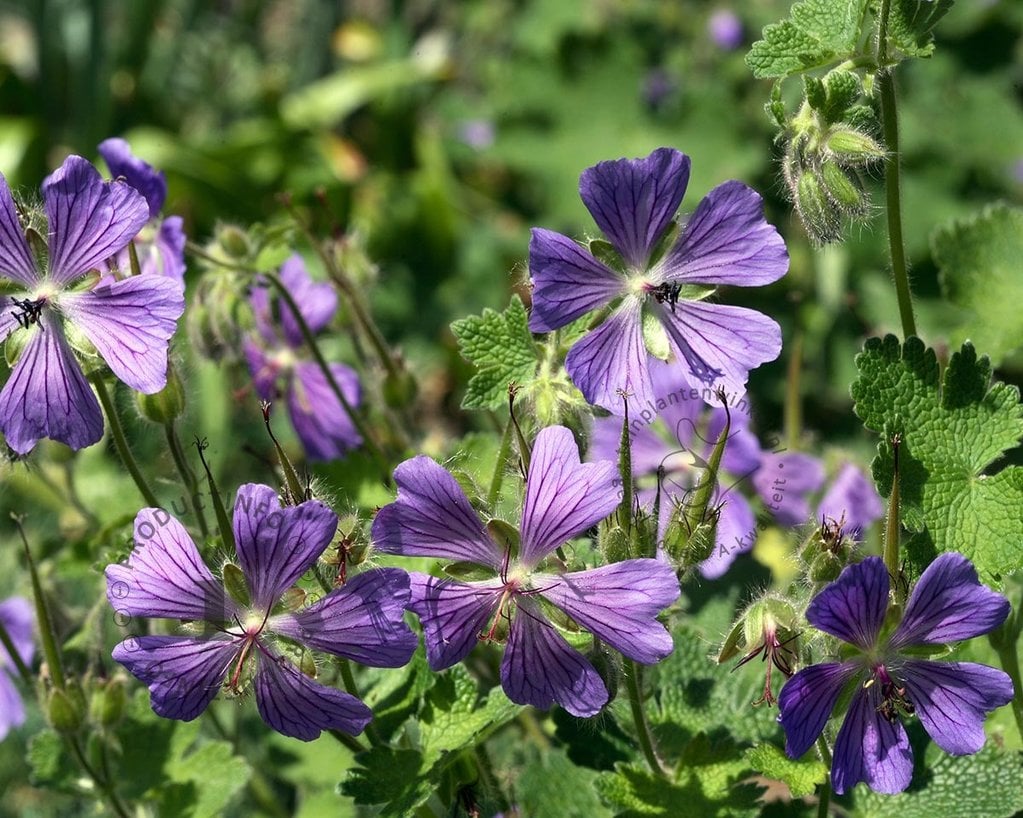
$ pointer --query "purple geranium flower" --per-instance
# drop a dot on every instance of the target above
(275, 356)
(161, 244)
(725, 242)
(692, 430)
(165, 577)
(71, 301)
(851, 502)
(887, 679)
(17, 619)
(618, 603)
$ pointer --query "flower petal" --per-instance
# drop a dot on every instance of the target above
(16, 261)
(807, 700)
(453, 615)
(949, 604)
(277, 545)
(634, 200)
(852, 498)
(952, 699)
(619, 603)
(783, 481)
(321, 422)
(540, 667)
(432, 517)
(261, 368)
(47, 394)
(130, 323)
(363, 620)
(721, 343)
(18, 619)
(89, 220)
(613, 358)
(317, 302)
(142, 176)
(728, 241)
(12, 708)
(183, 673)
(870, 748)
(165, 254)
(165, 576)
(8, 323)
(563, 496)
(736, 532)
(294, 705)
(567, 281)
(853, 607)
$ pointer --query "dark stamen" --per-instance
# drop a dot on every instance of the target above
(29, 311)
(668, 291)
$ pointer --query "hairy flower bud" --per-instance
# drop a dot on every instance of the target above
(64, 711)
(166, 405)
(852, 148)
(820, 217)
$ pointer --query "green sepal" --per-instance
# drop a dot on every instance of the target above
(655, 337)
(604, 252)
(236, 585)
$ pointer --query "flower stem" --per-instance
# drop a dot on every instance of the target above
(502, 458)
(892, 184)
(625, 507)
(121, 442)
(891, 531)
(824, 796)
(353, 690)
(646, 741)
(348, 741)
(101, 781)
(47, 634)
(1005, 641)
(187, 476)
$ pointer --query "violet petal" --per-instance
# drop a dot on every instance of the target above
(807, 700)
(853, 607)
(317, 302)
(16, 260)
(852, 498)
(138, 173)
(871, 748)
(453, 615)
(321, 422)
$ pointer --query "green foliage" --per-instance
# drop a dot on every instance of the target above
(802, 776)
(979, 259)
(49, 761)
(952, 427)
(551, 786)
(501, 348)
(817, 33)
(911, 24)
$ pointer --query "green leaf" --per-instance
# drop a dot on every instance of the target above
(551, 785)
(802, 776)
(911, 23)
(979, 261)
(818, 32)
(49, 764)
(988, 784)
(501, 348)
(952, 428)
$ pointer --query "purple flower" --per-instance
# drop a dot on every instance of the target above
(725, 29)
(887, 678)
(278, 365)
(165, 577)
(161, 244)
(17, 619)
(618, 603)
(725, 242)
(70, 301)
(851, 501)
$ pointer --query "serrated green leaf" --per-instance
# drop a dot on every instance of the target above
(551, 786)
(802, 776)
(988, 784)
(819, 32)
(952, 428)
(389, 776)
(979, 263)
(49, 763)
(501, 348)
(911, 23)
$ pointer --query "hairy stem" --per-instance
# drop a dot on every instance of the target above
(121, 442)
(47, 634)
(188, 477)
(1005, 641)
(646, 740)
(502, 458)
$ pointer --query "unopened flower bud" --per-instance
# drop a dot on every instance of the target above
(853, 148)
(106, 705)
(399, 389)
(819, 216)
(164, 406)
(233, 241)
(64, 711)
(842, 190)
(613, 543)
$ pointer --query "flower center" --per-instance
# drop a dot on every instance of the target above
(894, 699)
(668, 293)
(28, 310)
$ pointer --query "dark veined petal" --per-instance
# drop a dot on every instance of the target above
(18, 619)
(165, 576)
(619, 603)
(852, 498)
(807, 700)
(47, 394)
(949, 604)
(567, 281)
(8, 323)
(294, 705)
(728, 241)
(634, 200)
(90, 220)
(783, 482)
(613, 359)
(130, 323)
(277, 545)
(16, 262)
(363, 620)
(12, 708)
(735, 534)
(853, 607)
(138, 173)
(541, 668)
(720, 343)
(432, 517)
(183, 673)
(453, 615)
(952, 699)
(563, 496)
(320, 420)
(317, 302)
(871, 748)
